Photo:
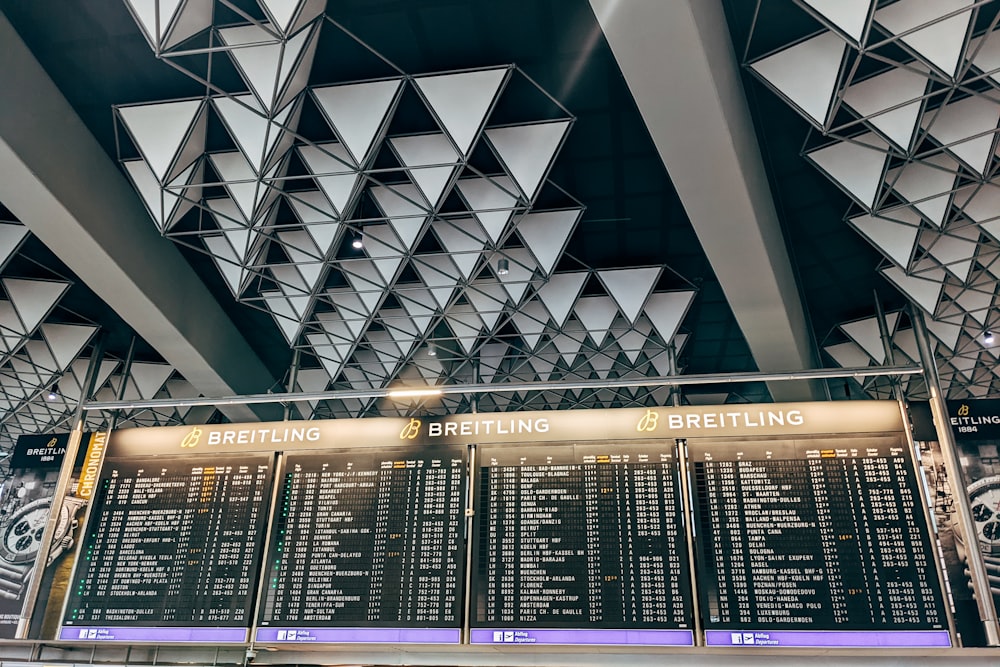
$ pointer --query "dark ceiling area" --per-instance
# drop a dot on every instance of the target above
(608, 165)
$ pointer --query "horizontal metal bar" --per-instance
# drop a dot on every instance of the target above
(508, 387)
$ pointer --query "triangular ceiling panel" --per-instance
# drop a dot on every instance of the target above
(11, 238)
(922, 291)
(159, 132)
(463, 239)
(243, 184)
(927, 185)
(33, 299)
(955, 250)
(630, 288)
(946, 333)
(290, 15)
(383, 247)
(367, 280)
(666, 310)
(257, 135)
(329, 165)
(891, 102)
(849, 16)
(855, 166)
(492, 200)
(848, 355)
(896, 240)
(284, 315)
(560, 293)
(568, 347)
(940, 43)
(596, 313)
(268, 65)
(967, 127)
(866, 334)
(527, 151)
(806, 73)
(66, 341)
(154, 17)
(981, 205)
(489, 299)
(985, 52)
(440, 275)
(976, 302)
(461, 101)
(465, 323)
(358, 112)
(520, 272)
(398, 203)
(418, 303)
(906, 341)
(149, 378)
(547, 233)
(424, 155)
(631, 342)
(531, 321)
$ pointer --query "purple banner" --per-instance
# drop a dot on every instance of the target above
(609, 637)
(360, 635)
(153, 635)
(831, 638)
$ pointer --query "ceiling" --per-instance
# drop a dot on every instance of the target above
(184, 193)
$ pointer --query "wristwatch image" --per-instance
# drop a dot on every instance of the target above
(21, 538)
(984, 499)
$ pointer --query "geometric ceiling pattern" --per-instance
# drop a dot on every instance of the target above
(45, 351)
(903, 99)
(398, 230)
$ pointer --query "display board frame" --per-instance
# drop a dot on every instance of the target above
(474, 431)
(577, 457)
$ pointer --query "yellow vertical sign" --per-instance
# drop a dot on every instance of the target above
(92, 464)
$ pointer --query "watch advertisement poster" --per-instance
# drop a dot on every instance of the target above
(975, 426)
(25, 502)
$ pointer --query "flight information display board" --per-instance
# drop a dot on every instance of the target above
(367, 546)
(171, 551)
(814, 542)
(580, 544)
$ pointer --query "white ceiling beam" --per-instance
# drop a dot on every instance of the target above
(679, 63)
(62, 185)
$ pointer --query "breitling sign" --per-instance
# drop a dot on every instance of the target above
(779, 419)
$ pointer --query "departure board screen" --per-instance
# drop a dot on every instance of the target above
(367, 546)
(171, 551)
(580, 544)
(818, 542)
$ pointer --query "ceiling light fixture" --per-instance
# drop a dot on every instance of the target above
(503, 267)
(988, 338)
(413, 393)
(431, 350)
(53, 392)
(359, 242)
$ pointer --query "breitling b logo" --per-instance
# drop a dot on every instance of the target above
(191, 439)
(411, 430)
(648, 421)
(963, 410)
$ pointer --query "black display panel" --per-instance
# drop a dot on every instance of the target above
(172, 550)
(580, 544)
(818, 542)
(367, 545)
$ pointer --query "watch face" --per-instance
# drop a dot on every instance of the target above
(23, 534)
(984, 497)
